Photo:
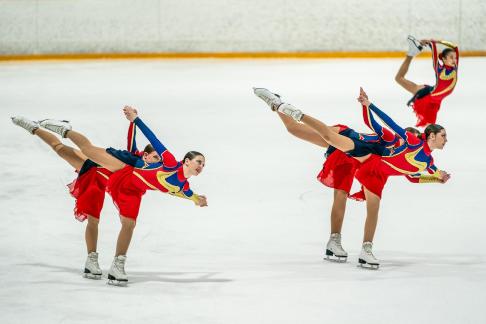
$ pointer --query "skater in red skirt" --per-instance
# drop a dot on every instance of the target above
(89, 187)
(338, 170)
(130, 181)
(410, 158)
(427, 99)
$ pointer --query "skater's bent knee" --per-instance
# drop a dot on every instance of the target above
(93, 221)
(127, 223)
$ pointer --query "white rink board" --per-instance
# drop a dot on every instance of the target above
(188, 26)
(255, 254)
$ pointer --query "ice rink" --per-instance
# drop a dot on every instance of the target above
(255, 255)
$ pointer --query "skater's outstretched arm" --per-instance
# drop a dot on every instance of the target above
(384, 136)
(435, 52)
(187, 193)
(131, 143)
(438, 176)
(422, 178)
(390, 123)
(168, 159)
(387, 137)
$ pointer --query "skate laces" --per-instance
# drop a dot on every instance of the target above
(93, 258)
(337, 240)
(120, 265)
(368, 249)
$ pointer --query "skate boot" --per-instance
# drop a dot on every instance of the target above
(272, 99)
(334, 249)
(27, 124)
(414, 46)
(117, 275)
(91, 267)
(366, 258)
(291, 111)
(60, 127)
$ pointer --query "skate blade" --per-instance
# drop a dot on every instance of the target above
(335, 259)
(364, 265)
(117, 283)
(91, 276)
(331, 257)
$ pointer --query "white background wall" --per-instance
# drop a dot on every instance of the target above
(93, 26)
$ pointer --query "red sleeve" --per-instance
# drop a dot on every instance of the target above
(435, 57)
(457, 56)
(412, 139)
(413, 179)
(131, 144)
(169, 160)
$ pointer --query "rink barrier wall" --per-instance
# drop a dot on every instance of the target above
(222, 55)
(36, 27)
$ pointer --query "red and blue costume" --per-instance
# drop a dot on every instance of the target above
(89, 187)
(426, 102)
(131, 156)
(339, 168)
(410, 158)
(128, 185)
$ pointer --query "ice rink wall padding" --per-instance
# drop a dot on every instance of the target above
(234, 28)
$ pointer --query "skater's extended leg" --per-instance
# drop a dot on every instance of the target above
(400, 77)
(67, 153)
(125, 235)
(97, 154)
(91, 234)
(304, 132)
(329, 135)
(94, 153)
(372, 208)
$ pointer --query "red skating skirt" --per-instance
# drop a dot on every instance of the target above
(126, 196)
(371, 176)
(338, 171)
(89, 190)
(426, 110)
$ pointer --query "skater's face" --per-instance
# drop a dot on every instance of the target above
(438, 140)
(152, 157)
(195, 166)
(450, 59)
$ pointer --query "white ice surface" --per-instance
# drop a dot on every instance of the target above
(255, 254)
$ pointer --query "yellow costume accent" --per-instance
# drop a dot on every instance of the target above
(162, 178)
(410, 157)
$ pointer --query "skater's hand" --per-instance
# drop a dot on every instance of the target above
(202, 201)
(444, 176)
(424, 42)
(130, 113)
(363, 98)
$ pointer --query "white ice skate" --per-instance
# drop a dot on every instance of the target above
(60, 127)
(27, 124)
(366, 258)
(414, 46)
(272, 99)
(91, 267)
(117, 275)
(291, 111)
(334, 249)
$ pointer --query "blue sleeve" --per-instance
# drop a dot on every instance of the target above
(158, 146)
(387, 121)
